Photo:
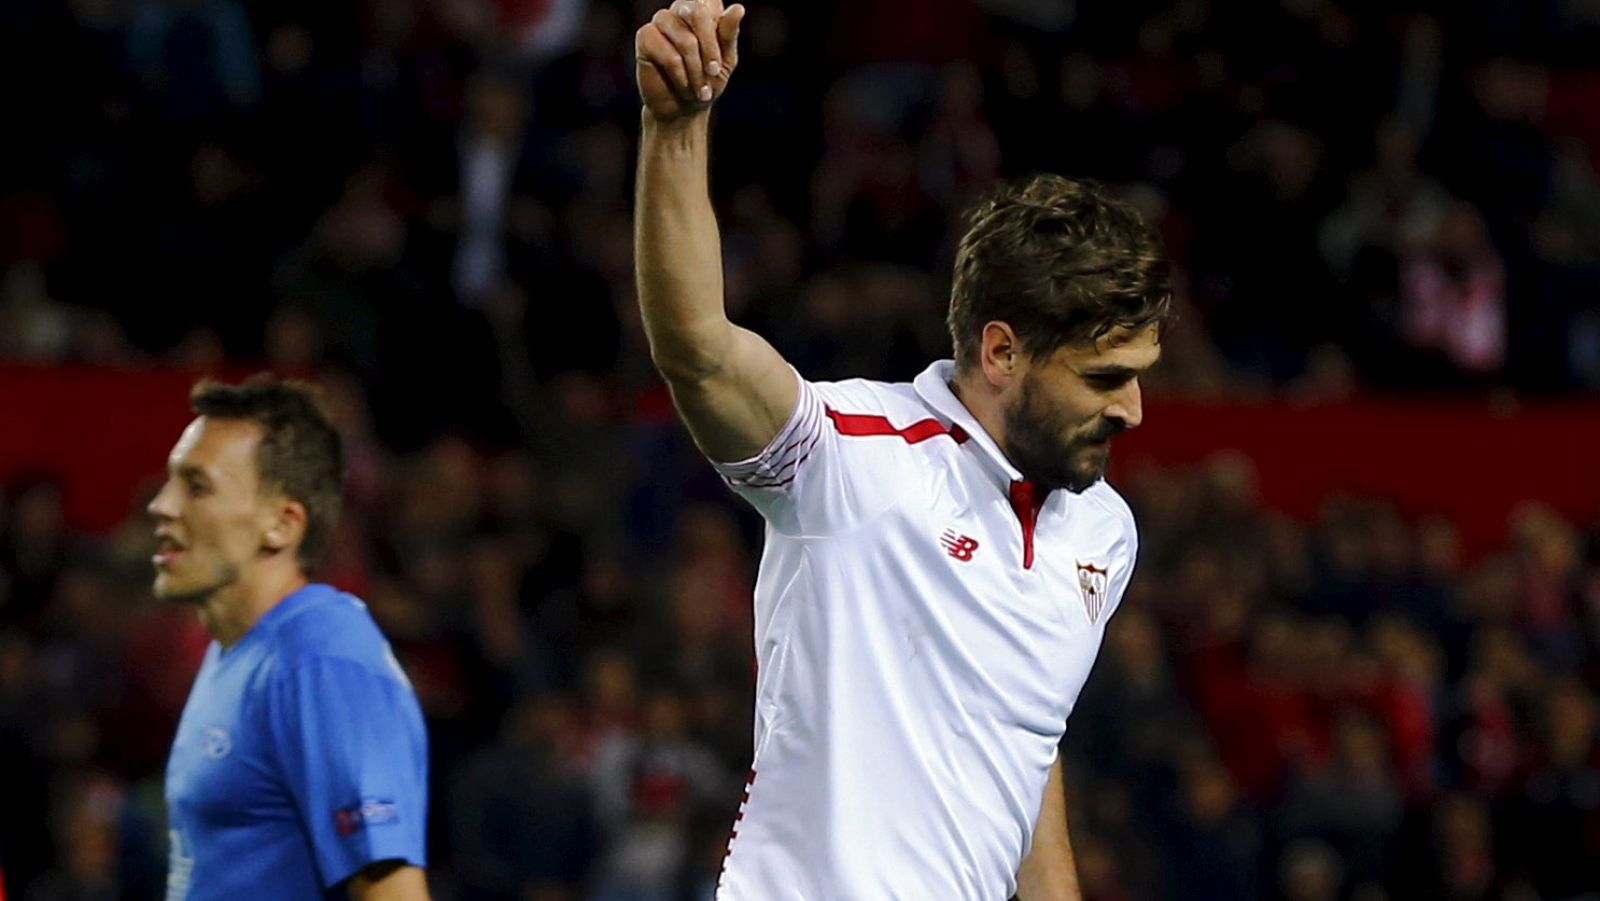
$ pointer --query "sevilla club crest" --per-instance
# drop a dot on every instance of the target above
(1095, 584)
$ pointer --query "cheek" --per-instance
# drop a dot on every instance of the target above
(1057, 413)
(1069, 406)
(1083, 411)
(242, 537)
(227, 536)
(1069, 421)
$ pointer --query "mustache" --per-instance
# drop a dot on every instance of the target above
(1107, 430)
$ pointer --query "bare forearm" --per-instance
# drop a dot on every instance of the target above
(1049, 872)
(677, 248)
(732, 389)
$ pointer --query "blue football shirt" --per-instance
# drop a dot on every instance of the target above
(300, 758)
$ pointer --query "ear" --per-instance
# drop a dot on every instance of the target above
(286, 527)
(1000, 354)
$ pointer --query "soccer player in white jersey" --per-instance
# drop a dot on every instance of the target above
(941, 556)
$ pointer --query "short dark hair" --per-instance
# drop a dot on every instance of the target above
(300, 453)
(1060, 261)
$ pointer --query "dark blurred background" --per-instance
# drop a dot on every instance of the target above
(1361, 655)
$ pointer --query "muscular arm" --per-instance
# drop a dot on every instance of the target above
(1049, 873)
(389, 880)
(732, 388)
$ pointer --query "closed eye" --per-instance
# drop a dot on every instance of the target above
(1108, 381)
(195, 482)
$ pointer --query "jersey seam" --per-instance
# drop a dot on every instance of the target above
(782, 631)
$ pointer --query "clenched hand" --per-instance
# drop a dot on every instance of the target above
(687, 52)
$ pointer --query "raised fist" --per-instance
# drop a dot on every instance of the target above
(687, 52)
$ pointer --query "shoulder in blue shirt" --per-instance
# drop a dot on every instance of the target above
(300, 758)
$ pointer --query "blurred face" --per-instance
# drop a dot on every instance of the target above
(211, 520)
(1071, 404)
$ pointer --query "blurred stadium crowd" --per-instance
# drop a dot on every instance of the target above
(425, 204)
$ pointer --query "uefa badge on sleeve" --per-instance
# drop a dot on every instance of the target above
(1094, 582)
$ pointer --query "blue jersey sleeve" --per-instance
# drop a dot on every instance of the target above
(354, 756)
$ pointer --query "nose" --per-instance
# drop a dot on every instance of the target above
(1128, 406)
(163, 505)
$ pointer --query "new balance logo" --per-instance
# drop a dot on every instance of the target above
(958, 546)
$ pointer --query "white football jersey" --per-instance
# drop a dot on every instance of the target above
(923, 626)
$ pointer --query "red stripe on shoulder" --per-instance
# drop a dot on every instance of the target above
(862, 424)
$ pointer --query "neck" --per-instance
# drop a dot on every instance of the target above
(231, 611)
(983, 402)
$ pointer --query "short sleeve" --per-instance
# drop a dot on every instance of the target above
(353, 751)
(774, 471)
(807, 481)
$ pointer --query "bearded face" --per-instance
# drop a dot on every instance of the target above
(1068, 405)
(1052, 444)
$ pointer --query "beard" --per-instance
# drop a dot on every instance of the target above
(171, 586)
(1035, 445)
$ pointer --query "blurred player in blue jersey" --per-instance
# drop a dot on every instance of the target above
(300, 765)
